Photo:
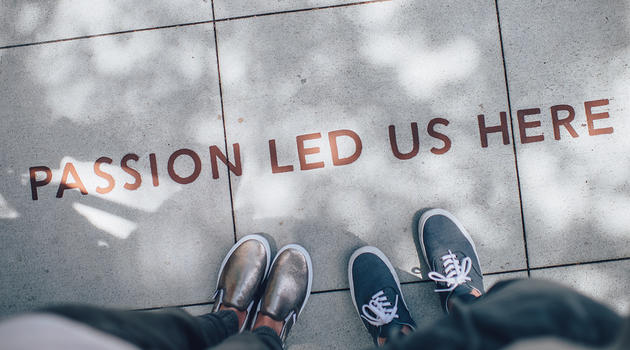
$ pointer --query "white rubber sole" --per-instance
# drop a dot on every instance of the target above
(381, 255)
(432, 212)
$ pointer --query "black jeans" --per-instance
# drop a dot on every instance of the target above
(172, 329)
(518, 310)
(510, 311)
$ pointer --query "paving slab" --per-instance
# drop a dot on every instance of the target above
(572, 58)
(24, 22)
(491, 280)
(606, 282)
(238, 8)
(198, 310)
(155, 234)
(314, 330)
(350, 73)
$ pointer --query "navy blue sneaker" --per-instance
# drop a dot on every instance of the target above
(450, 253)
(376, 294)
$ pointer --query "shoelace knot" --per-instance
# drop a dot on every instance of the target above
(456, 273)
(379, 311)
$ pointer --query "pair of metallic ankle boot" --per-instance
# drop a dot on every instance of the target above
(279, 289)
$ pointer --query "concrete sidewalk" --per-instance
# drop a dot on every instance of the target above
(339, 121)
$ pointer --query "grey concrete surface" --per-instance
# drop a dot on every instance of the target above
(607, 282)
(575, 190)
(24, 22)
(348, 68)
(198, 310)
(74, 102)
(330, 321)
(360, 68)
(490, 280)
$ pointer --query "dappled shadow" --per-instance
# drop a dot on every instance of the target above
(76, 101)
(364, 68)
(575, 190)
(23, 22)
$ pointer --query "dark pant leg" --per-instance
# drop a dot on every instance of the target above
(518, 310)
(263, 338)
(164, 329)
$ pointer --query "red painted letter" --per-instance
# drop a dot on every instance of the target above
(275, 168)
(440, 136)
(302, 151)
(37, 183)
(136, 175)
(394, 144)
(484, 131)
(523, 125)
(215, 153)
(170, 167)
(154, 172)
(590, 117)
(104, 175)
(358, 146)
(67, 170)
(566, 121)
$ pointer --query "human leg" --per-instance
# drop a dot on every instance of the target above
(510, 311)
(164, 329)
(517, 311)
(240, 279)
(262, 338)
(240, 282)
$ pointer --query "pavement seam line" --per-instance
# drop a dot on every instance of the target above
(227, 153)
(264, 14)
(518, 175)
(91, 36)
(213, 20)
(421, 281)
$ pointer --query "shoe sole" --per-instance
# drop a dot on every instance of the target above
(432, 212)
(256, 237)
(380, 255)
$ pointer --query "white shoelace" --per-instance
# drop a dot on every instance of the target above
(380, 312)
(456, 273)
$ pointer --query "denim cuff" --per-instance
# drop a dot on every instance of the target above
(269, 337)
(224, 321)
(230, 319)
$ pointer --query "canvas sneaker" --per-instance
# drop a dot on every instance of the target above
(450, 253)
(377, 295)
